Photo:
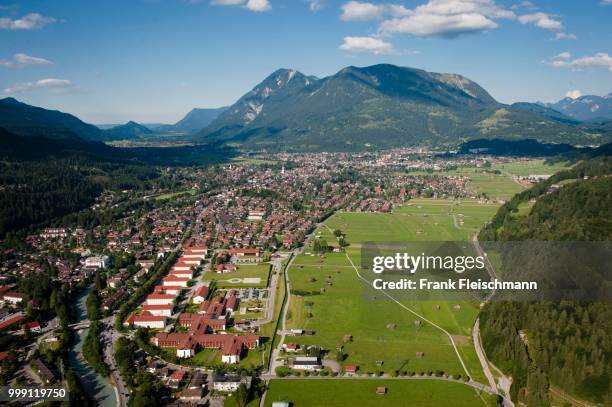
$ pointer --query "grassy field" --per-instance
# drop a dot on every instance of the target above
(501, 186)
(170, 195)
(252, 161)
(531, 167)
(226, 280)
(495, 186)
(332, 393)
(382, 331)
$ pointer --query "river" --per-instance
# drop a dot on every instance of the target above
(96, 386)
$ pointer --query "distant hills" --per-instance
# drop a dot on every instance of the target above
(588, 107)
(26, 120)
(126, 131)
(546, 112)
(381, 106)
(194, 121)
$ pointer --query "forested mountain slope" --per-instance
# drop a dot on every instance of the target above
(564, 344)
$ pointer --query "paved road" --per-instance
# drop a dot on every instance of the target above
(109, 336)
(277, 266)
(274, 363)
(504, 381)
(481, 355)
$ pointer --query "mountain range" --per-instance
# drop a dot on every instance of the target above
(375, 107)
(194, 121)
(588, 107)
(379, 106)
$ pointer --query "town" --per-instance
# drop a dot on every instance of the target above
(176, 293)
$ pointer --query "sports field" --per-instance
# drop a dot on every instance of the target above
(354, 392)
(251, 275)
(334, 302)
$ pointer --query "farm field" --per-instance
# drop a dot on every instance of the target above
(255, 275)
(385, 336)
(354, 392)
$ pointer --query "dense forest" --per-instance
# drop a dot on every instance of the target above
(562, 344)
(34, 192)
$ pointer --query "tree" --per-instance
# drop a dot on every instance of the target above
(242, 395)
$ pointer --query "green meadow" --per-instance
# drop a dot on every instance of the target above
(484, 181)
(334, 302)
(531, 167)
(353, 392)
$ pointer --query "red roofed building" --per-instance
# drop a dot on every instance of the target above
(160, 299)
(146, 320)
(159, 309)
(187, 345)
(200, 295)
(13, 297)
(175, 281)
(351, 369)
(181, 273)
(11, 320)
(244, 252)
(176, 378)
(182, 266)
(31, 326)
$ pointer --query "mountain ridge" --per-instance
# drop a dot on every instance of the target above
(586, 107)
(196, 119)
(379, 106)
(23, 119)
(125, 131)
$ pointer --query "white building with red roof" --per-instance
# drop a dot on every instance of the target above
(175, 281)
(160, 299)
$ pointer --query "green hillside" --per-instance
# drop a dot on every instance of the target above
(566, 344)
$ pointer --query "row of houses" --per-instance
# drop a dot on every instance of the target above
(159, 305)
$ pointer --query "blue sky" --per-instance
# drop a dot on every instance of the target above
(153, 60)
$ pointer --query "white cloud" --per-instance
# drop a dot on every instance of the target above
(573, 94)
(360, 11)
(369, 45)
(524, 4)
(445, 18)
(563, 60)
(50, 84)
(28, 22)
(563, 55)
(21, 60)
(565, 36)
(541, 20)
(253, 5)
(606, 2)
(315, 5)
(258, 5)
(30, 60)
